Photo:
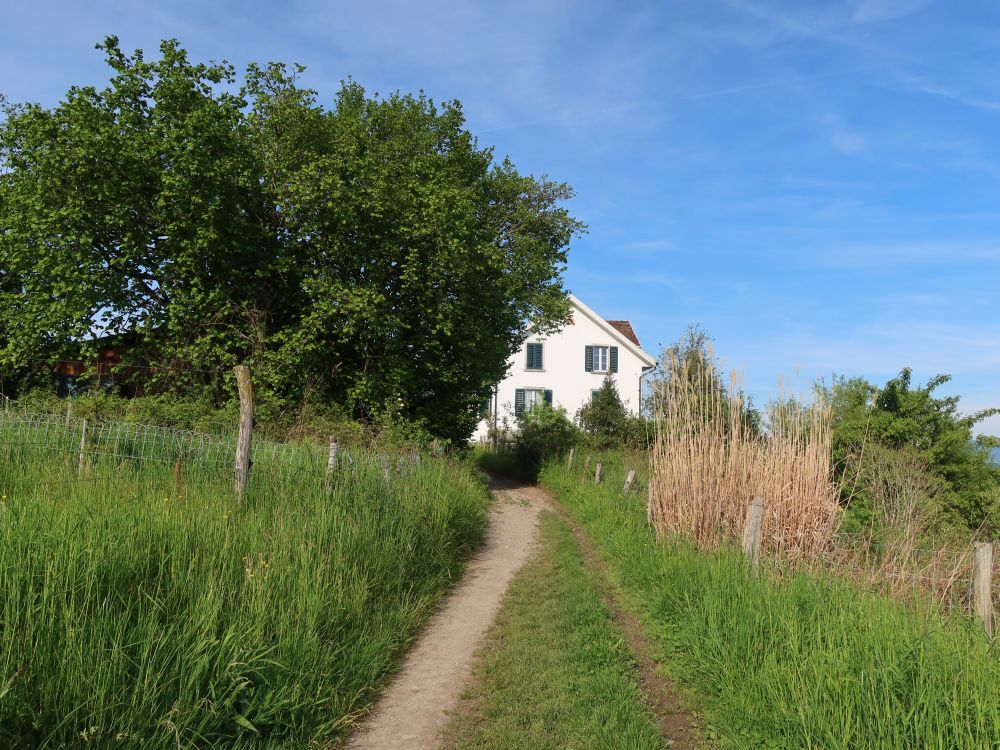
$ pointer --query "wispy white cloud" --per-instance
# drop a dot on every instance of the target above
(953, 94)
(844, 139)
(900, 253)
(646, 248)
(874, 11)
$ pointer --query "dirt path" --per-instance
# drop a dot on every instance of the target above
(414, 709)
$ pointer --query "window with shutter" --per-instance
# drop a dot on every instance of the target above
(534, 357)
(548, 397)
(614, 359)
(588, 359)
(533, 397)
(519, 401)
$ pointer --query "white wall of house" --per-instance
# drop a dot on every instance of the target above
(563, 369)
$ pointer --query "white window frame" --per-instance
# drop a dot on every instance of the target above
(597, 358)
(531, 401)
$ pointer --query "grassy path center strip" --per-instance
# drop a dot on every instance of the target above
(554, 671)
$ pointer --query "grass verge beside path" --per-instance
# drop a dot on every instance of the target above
(804, 662)
(139, 609)
(554, 671)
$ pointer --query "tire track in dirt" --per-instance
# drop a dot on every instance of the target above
(678, 725)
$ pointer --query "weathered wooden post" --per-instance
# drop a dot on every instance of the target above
(69, 411)
(569, 461)
(331, 461)
(81, 461)
(586, 464)
(177, 478)
(982, 585)
(246, 429)
(385, 469)
(629, 481)
(598, 471)
(752, 531)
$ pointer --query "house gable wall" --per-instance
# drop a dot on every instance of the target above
(563, 367)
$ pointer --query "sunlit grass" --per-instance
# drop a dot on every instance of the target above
(554, 672)
(137, 610)
(802, 661)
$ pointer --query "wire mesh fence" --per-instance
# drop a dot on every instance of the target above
(88, 450)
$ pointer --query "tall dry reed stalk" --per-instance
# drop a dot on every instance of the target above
(708, 460)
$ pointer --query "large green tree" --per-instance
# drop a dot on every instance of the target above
(368, 250)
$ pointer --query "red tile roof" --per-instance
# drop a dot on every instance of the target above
(625, 329)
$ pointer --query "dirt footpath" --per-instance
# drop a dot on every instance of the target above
(414, 709)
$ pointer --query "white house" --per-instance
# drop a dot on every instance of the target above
(567, 367)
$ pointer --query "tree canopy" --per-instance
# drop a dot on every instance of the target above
(369, 251)
(912, 421)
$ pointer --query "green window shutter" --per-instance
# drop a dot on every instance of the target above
(588, 362)
(548, 397)
(519, 401)
(534, 357)
(614, 359)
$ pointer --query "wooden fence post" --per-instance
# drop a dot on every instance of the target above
(586, 464)
(982, 588)
(83, 449)
(569, 461)
(597, 472)
(385, 469)
(246, 429)
(69, 411)
(177, 478)
(331, 461)
(752, 531)
(629, 480)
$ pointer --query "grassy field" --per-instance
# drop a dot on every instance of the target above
(803, 662)
(554, 672)
(142, 610)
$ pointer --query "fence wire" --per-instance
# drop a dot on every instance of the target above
(88, 448)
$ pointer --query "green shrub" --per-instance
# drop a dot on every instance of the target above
(606, 424)
(543, 431)
(311, 419)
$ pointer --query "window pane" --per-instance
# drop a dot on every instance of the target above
(601, 358)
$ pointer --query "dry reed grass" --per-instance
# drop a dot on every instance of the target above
(707, 461)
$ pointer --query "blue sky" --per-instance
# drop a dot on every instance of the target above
(816, 183)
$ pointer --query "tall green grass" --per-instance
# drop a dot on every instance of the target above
(139, 611)
(804, 661)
